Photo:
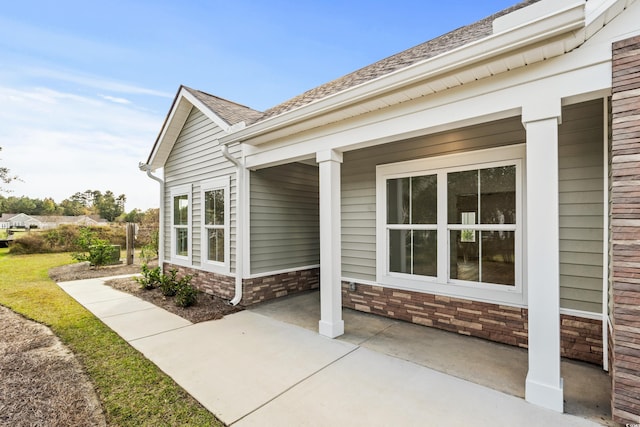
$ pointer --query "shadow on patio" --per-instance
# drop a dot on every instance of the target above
(587, 388)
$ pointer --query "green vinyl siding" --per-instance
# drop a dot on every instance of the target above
(196, 157)
(581, 207)
(284, 218)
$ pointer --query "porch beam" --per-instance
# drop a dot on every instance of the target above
(544, 386)
(331, 323)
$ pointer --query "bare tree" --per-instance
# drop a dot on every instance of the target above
(6, 177)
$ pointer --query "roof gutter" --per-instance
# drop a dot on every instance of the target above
(563, 21)
(240, 170)
(145, 167)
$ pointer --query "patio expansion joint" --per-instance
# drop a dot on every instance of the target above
(291, 387)
(126, 312)
(159, 333)
(361, 343)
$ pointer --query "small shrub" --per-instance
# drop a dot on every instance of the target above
(150, 277)
(97, 251)
(149, 252)
(169, 284)
(186, 295)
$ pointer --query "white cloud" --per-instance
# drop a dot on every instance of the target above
(60, 143)
(115, 99)
(93, 81)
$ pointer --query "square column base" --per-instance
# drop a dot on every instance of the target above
(331, 330)
(544, 395)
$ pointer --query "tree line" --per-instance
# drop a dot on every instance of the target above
(91, 202)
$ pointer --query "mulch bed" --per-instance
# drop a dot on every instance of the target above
(207, 307)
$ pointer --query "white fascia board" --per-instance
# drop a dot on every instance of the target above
(169, 132)
(584, 73)
(176, 120)
(205, 110)
(600, 12)
(532, 13)
(564, 21)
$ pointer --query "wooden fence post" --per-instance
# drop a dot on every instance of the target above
(131, 230)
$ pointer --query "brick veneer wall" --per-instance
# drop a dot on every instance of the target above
(210, 283)
(254, 290)
(581, 338)
(625, 230)
(261, 289)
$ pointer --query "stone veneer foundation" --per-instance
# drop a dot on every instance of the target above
(625, 231)
(581, 338)
(254, 290)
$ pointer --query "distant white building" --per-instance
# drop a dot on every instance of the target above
(21, 220)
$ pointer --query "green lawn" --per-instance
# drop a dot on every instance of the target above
(133, 391)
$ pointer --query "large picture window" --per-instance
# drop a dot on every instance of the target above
(215, 224)
(452, 224)
(181, 224)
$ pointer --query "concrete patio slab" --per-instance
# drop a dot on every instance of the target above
(252, 369)
(500, 367)
(367, 388)
(237, 364)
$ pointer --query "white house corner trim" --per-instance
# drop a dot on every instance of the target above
(331, 324)
(544, 385)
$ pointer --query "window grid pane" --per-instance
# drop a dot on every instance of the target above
(214, 207)
(216, 244)
(182, 241)
(181, 210)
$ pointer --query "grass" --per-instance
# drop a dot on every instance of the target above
(132, 390)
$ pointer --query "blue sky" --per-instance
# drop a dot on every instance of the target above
(85, 86)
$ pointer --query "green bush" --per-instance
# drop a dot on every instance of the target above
(150, 277)
(186, 295)
(97, 251)
(169, 284)
(150, 250)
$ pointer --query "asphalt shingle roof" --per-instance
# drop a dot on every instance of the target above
(229, 111)
(233, 113)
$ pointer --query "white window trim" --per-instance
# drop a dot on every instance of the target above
(222, 183)
(181, 190)
(441, 284)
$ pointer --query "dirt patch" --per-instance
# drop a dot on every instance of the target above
(82, 270)
(42, 382)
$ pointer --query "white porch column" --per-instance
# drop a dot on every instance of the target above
(544, 384)
(331, 323)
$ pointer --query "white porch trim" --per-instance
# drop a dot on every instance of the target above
(331, 323)
(544, 385)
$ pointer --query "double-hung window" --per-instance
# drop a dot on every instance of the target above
(453, 224)
(215, 224)
(181, 224)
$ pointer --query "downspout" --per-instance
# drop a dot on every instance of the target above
(146, 168)
(239, 222)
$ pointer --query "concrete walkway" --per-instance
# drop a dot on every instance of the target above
(250, 369)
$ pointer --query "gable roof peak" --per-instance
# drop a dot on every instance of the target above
(231, 112)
